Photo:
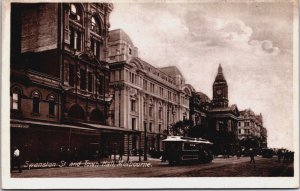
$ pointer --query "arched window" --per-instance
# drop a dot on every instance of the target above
(76, 112)
(75, 13)
(36, 102)
(75, 33)
(16, 101)
(51, 105)
(95, 25)
(97, 116)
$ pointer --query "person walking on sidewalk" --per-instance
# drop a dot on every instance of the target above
(121, 152)
(16, 159)
(251, 153)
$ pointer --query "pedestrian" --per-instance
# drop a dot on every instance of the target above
(225, 153)
(121, 153)
(97, 156)
(68, 156)
(140, 154)
(238, 154)
(16, 159)
(279, 154)
(251, 153)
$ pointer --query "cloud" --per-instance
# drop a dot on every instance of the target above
(258, 72)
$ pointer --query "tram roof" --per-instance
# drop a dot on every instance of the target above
(186, 139)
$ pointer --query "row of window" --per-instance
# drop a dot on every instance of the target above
(149, 129)
(133, 108)
(246, 131)
(75, 112)
(16, 102)
(148, 86)
(76, 33)
(245, 124)
(86, 80)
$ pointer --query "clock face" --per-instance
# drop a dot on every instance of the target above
(219, 92)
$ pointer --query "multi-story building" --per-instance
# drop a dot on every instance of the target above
(250, 128)
(146, 99)
(79, 89)
(59, 80)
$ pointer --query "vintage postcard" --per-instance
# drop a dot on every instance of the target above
(150, 94)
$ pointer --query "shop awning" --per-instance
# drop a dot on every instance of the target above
(25, 124)
(105, 127)
(74, 125)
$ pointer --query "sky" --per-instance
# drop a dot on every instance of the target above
(253, 41)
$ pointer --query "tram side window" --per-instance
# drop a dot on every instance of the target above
(189, 146)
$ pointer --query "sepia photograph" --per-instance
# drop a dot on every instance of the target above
(150, 94)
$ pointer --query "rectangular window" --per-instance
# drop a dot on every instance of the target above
(36, 105)
(95, 47)
(150, 111)
(71, 75)
(161, 92)
(75, 39)
(160, 113)
(239, 123)
(159, 128)
(82, 79)
(152, 87)
(90, 81)
(133, 105)
(15, 101)
(145, 110)
(78, 39)
(145, 84)
(131, 76)
(100, 82)
(51, 107)
(150, 127)
(133, 123)
(246, 123)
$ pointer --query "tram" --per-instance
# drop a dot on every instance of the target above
(180, 149)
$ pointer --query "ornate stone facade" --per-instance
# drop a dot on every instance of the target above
(223, 119)
(146, 99)
(250, 127)
(59, 81)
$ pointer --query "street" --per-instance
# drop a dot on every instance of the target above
(220, 167)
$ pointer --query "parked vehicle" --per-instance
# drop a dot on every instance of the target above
(179, 149)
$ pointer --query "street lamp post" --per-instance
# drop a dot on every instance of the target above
(145, 142)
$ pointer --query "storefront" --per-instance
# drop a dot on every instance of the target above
(44, 142)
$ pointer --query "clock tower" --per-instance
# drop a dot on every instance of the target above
(220, 90)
